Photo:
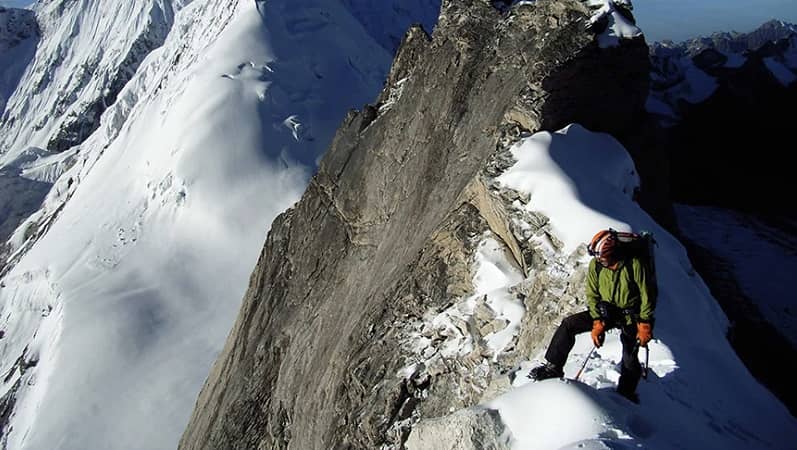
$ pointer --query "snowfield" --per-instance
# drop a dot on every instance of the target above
(698, 393)
(126, 281)
(756, 251)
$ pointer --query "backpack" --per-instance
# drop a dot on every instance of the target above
(636, 244)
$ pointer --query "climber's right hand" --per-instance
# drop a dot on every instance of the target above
(598, 332)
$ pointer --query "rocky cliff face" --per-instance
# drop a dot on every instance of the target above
(386, 233)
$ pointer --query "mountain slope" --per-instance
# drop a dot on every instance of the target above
(700, 92)
(19, 34)
(747, 260)
(85, 57)
(67, 65)
(429, 257)
(698, 393)
(121, 288)
(383, 236)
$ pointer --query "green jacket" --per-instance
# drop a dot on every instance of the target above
(633, 290)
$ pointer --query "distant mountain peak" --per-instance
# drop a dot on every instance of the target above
(731, 41)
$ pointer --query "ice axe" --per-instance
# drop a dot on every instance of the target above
(586, 360)
(646, 366)
(647, 363)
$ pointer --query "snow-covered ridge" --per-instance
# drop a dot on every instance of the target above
(703, 395)
(86, 55)
(699, 392)
(613, 21)
(485, 326)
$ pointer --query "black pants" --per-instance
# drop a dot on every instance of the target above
(565, 337)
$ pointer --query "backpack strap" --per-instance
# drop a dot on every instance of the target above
(598, 268)
(616, 282)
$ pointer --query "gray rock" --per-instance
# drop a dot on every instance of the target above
(493, 326)
(476, 429)
(483, 313)
(384, 238)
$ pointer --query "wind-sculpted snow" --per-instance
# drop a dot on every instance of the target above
(120, 289)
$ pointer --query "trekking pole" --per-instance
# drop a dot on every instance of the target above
(586, 360)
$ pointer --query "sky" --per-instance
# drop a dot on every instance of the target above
(681, 19)
(678, 20)
(15, 3)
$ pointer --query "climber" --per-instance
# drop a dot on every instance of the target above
(624, 297)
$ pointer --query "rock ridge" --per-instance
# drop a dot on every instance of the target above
(386, 233)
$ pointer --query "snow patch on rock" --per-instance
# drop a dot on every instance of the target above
(616, 21)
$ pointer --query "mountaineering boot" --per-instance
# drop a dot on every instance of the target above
(545, 372)
(631, 396)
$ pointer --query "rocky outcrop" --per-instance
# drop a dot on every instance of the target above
(385, 235)
(470, 428)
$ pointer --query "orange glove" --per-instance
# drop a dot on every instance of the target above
(644, 333)
(598, 334)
